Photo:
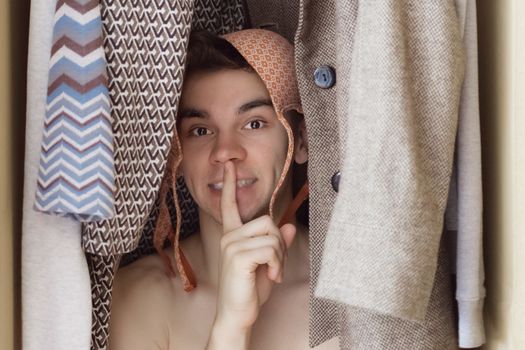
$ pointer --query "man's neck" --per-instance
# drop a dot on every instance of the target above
(210, 236)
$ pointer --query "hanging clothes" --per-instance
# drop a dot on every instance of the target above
(76, 173)
(55, 287)
(464, 219)
(381, 137)
(370, 254)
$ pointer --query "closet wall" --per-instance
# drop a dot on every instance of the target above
(14, 18)
(6, 209)
(502, 79)
(502, 99)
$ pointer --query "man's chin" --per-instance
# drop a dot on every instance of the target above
(246, 215)
(249, 217)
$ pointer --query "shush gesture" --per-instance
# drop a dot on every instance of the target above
(239, 132)
(252, 258)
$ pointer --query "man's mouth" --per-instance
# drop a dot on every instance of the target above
(240, 184)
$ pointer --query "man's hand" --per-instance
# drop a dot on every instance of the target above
(252, 260)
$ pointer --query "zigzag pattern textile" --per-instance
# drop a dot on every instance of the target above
(76, 173)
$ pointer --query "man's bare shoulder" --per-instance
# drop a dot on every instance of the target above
(144, 286)
(145, 276)
(142, 294)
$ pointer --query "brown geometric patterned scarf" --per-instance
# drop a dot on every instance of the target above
(145, 44)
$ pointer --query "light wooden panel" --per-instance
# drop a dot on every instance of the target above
(502, 93)
(518, 313)
(6, 181)
(14, 28)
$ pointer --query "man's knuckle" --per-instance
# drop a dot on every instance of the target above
(224, 242)
(230, 250)
(239, 260)
(275, 241)
(269, 225)
(270, 252)
(267, 220)
(277, 252)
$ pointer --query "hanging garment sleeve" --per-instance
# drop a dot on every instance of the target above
(470, 274)
(382, 244)
(56, 298)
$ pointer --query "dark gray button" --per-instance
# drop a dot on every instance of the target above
(335, 181)
(324, 77)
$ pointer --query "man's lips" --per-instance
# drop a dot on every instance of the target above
(240, 184)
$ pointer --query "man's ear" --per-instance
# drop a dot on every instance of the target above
(301, 144)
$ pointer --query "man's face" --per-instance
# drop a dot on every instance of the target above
(228, 115)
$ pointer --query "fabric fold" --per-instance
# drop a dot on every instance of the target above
(145, 44)
(470, 274)
(383, 241)
(76, 173)
(56, 298)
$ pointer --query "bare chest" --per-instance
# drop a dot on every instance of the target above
(282, 322)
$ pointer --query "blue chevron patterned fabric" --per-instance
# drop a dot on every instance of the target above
(77, 174)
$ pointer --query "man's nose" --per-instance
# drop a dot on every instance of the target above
(227, 147)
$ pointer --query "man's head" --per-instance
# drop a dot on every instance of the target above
(227, 113)
(239, 99)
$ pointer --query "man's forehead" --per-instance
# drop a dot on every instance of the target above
(199, 112)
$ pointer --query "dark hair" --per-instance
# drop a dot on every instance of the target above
(208, 52)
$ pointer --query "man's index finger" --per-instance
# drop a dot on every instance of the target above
(231, 219)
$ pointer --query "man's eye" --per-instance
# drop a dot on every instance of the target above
(255, 124)
(200, 131)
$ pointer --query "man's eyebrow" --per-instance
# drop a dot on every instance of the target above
(196, 113)
(191, 112)
(254, 104)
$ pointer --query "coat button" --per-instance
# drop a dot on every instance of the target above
(335, 181)
(324, 77)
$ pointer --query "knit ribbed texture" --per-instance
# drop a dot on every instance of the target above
(470, 290)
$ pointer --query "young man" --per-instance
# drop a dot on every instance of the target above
(234, 131)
